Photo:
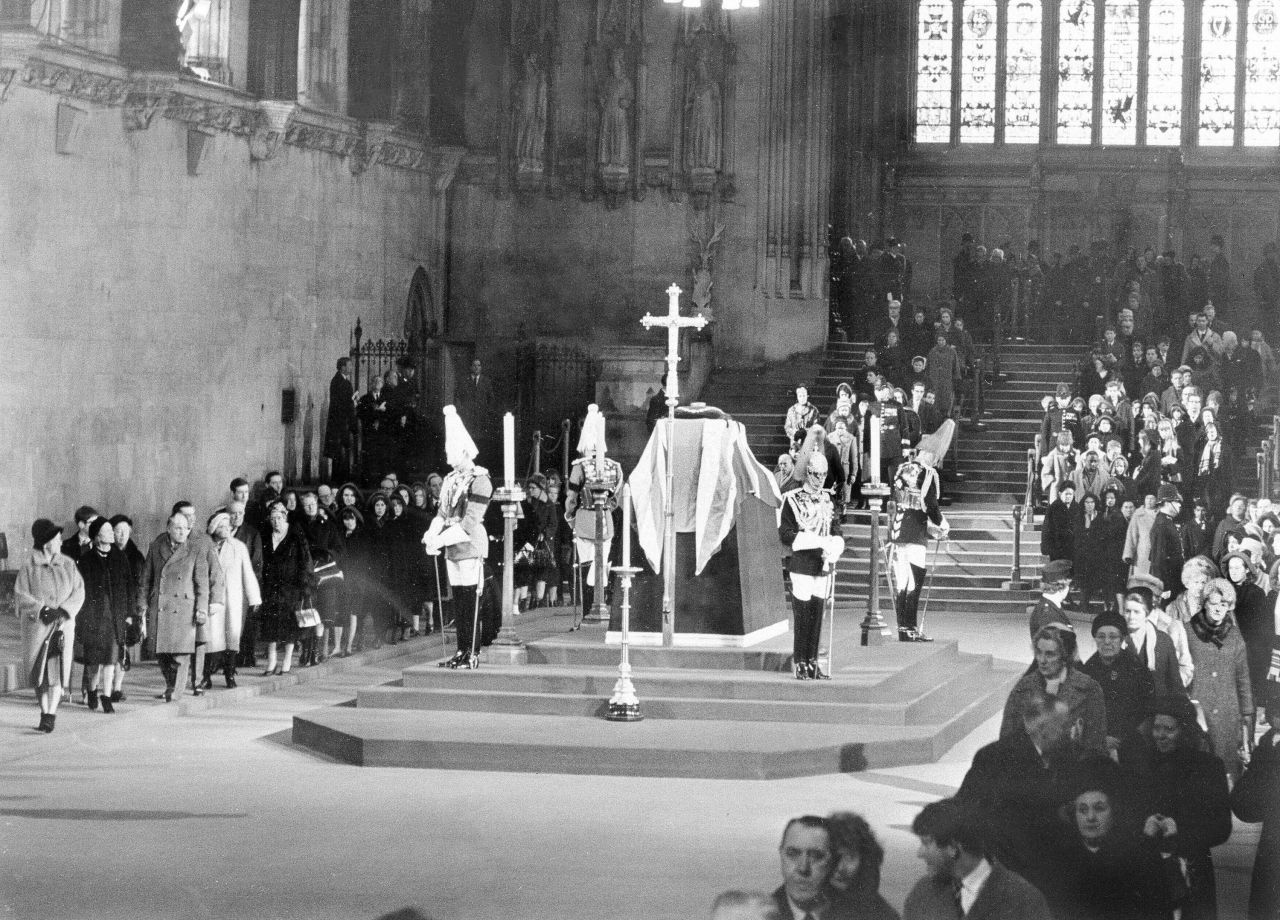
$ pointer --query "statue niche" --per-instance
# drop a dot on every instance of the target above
(704, 112)
(613, 146)
(531, 123)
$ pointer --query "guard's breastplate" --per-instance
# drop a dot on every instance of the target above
(813, 512)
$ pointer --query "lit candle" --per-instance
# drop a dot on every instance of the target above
(509, 450)
(875, 447)
(626, 526)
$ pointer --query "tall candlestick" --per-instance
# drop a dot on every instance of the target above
(509, 450)
(875, 449)
(626, 528)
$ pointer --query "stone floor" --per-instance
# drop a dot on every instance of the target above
(205, 809)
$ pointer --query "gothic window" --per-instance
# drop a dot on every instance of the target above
(978, 72)
(1164, 74)
(1076, 66)
(1120, 72)
(1022, 74)
(933, 75)
(326, 51)
(1218, 73)
(1262, 75)
(206, 27)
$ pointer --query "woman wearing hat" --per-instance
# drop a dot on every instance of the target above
(381, 548)
(357, 587)
(286, 581)
(1183, 803)
(243, 595)
(1221, 684)
(48, 594)
(1127, 684)
(110, 597)
(1108, 870)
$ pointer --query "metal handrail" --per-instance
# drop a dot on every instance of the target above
(1031, 479)
(979, 397)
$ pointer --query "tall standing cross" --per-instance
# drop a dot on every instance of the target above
(673, 322)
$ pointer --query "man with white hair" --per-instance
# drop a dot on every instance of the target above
(592, 472)
(458, 531)
(810, 526)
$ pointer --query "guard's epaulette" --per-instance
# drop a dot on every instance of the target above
(480, 471)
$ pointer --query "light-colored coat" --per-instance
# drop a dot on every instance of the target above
(47, 581)
(176, 584)
(242, 592)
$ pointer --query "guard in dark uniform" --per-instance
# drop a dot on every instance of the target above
(889, 411)
(809, 525)
(458, 530)
(916, 491)
(592, 467)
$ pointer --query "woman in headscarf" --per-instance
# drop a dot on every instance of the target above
(110, 597)
(381, 549)
(1183, 804)
(48, 593)
(1213, 476)
(1221, 684)
(243, 596)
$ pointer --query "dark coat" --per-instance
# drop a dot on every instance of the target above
(1020, 792)
(1257, 798)
(1127, 687)
(1124, 880)
(840, 906)
(1091, 559)
(110, 598)
(340, 429)
(1190, 786)
(1058, 532)
(1162, 662)
(286, 583)
(1254, 615)
(1166, 553)
(1005, 896)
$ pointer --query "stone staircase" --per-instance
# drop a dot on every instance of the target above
(977, 560)
(711, 713)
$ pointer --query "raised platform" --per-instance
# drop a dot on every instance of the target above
(714, 713)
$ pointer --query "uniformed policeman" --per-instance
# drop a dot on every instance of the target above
(458, 530)
(889, 411)
(915, 494)
(591, 473)
(810, 526)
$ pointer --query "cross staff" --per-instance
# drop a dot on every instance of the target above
(673, 322)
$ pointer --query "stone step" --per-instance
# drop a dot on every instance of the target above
(928, 701)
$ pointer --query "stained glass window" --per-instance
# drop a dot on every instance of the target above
(933, 75)
(1164, 74)
(978, 72)
(1120, 72)
(1022, 73)
(1218, 73)
(1262, 75)
(1075, 71)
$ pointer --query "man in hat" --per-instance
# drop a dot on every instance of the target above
(1055, 585)
(1218, 273)
(458, 530)
(810, 526)
(402, 408)
(1168, 623)
(916, 517)
(1056, 416)
(596, 474)
(1058, 532)
(175, 585)
(889, 411)
(1166, 542)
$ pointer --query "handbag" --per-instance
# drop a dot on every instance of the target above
(56, 643)
(307, 617)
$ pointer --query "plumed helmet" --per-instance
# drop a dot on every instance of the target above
(457, 442)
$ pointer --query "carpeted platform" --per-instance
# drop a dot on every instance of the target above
(710, 713)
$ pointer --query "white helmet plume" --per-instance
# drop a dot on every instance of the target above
(592, 438)
(457, 442)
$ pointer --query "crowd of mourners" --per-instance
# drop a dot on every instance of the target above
(311, 572)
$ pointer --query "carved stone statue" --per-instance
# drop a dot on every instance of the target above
(704, 107)
(615, 100)
(531, 114)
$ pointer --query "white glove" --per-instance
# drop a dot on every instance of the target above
(832, 549)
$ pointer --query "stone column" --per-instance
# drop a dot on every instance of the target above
(412, 71)
(322, 54)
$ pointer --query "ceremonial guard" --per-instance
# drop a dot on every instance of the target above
(889, 411)
(458, 530)
(809, 526)
(916, 491)
(592, 472)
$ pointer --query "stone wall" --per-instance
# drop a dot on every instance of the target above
(156, 305)
(563, 248)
